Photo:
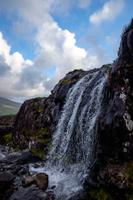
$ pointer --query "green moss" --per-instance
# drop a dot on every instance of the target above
(8, 138)
(41, 134)
(38, 108)
(38, 152)
(100, 194)
(129, 172)
(67, 81)
(42, 139)
(38, 134)
(129, 196)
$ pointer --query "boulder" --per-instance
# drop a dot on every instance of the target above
(28, 181)
(30, 193)
(41, 180)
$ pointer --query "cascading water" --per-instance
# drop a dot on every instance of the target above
(72, 148)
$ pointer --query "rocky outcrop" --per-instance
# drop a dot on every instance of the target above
(37, 118)
(116, 120)
(114, 160)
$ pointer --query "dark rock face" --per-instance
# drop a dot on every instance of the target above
(115, 126)
(6, 128)
(116, 120)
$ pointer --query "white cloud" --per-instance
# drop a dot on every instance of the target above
(108, 12)
(15, 61)
(59, 48)
(56, 47)
(12, 67)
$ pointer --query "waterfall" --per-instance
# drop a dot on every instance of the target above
(71, 154)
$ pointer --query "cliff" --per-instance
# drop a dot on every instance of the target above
(113, 168)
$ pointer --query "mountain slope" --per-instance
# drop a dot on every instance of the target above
(8, 107)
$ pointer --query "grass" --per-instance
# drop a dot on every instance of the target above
(8, 107)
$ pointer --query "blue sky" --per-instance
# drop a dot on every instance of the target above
(42, 40)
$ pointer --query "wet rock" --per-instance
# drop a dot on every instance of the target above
(6, 179)
(21, 157)
(30, 193)
(28, 181)
(113, 152)
(41, 180)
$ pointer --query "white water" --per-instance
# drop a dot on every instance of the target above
(71, 155)
(2, 156)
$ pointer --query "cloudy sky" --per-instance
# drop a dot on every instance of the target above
(42, 40)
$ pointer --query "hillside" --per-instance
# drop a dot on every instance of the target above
(8, 107)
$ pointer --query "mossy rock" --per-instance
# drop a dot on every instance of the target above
(41, 141)
(38, 108)
(129, 174)
(129, 196)
(67, 81)
(38, 152)
(8, 138)
(100, 194)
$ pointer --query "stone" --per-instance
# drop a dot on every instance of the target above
(30, 193)
(21, 157)
(41, 180)
(28, 181)
(6, 179)
(6, 185)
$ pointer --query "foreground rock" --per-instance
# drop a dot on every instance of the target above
(39, 179)
(6, 181)
(31, 193)
(15, 179)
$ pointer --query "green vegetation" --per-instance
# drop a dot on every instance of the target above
(6, 120)
(8, 107)
(38, 152)
(8, 138)
(129, 174)
(129, 196)
(38, 108)
(42, 133)
(67, 81)
(42, 141)
(100, 194)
